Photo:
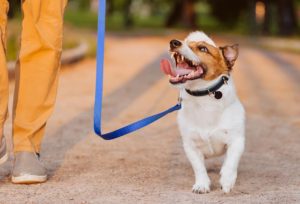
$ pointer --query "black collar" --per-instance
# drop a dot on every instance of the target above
(213, 90)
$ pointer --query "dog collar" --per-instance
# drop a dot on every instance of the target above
(213, 90)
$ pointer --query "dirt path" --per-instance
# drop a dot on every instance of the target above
(149, 166)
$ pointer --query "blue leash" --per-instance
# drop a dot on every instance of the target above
(99, 88)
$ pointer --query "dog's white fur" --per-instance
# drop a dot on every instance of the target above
(209, 127)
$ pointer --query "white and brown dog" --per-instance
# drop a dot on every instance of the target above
(212, 119)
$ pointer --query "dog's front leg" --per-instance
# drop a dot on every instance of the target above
(195, 156)
(230, 166)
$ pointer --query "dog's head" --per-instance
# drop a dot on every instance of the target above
(197, 58)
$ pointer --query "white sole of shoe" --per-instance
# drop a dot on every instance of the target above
(4, 158)
(28, 179)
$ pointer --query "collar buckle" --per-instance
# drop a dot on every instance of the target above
(225, 80)
(179, 100)
(211, 94)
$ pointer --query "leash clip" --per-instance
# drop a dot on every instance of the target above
(179, 99)
(210, 93)
(225, 80)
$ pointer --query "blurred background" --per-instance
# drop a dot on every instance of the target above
(248, 17)
(149, 166)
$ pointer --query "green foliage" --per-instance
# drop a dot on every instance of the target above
(84, 4)
(212, 15)
(81, 19)
(204, 18)
(80, 4)
(12, 47)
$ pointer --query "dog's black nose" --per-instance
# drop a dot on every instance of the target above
(175, 43)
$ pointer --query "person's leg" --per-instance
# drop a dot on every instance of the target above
(3, 68)
(38, 69)
(37, 77)
(3, 78)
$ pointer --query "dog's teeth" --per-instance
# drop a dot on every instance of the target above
(182, 57)
(192, 74)
(173, 54)
(177, 76)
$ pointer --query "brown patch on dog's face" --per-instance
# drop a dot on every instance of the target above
(215, 61)
(198, 60)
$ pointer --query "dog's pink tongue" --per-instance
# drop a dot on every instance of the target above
(165, 66)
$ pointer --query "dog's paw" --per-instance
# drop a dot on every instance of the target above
(203, 187)
(227, 180)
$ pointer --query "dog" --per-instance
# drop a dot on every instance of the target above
(212, 119)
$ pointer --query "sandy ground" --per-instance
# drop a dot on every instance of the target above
(150, 166)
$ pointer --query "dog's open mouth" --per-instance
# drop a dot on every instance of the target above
(185, 69)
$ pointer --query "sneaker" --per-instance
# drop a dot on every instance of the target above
(3, 152)
(28, 169)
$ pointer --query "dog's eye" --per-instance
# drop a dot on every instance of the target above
(203, 49)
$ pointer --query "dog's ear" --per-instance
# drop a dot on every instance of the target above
(230, 54)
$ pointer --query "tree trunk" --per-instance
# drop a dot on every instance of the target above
(183, 12)
(287, 20)
(127, 15)
(267, 21)
(110, 7)
(252, 17)
(189, 14)
(15, 7)
(175, 14)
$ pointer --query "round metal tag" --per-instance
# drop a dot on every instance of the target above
(218, 95)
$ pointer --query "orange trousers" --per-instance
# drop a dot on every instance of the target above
(37, 70)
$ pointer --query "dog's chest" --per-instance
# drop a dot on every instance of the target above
(204, 115)
(200, 123)
(210, 146)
